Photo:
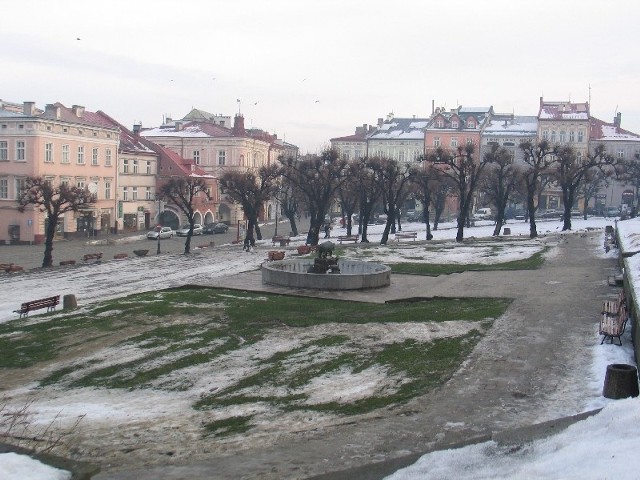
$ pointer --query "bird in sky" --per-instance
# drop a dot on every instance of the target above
(77, 38)
(317, 101)
(256, 103)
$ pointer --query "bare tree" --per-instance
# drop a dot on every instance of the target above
(182, 192)
(251, 191)
(427, 181)
(348, 194)
(394, 178)
(317, 179)
(501, 177)
(594, 180)
(289, 198)
(628, 172)
(54, 201)
(463, 169)
(444, 190)
(570, 171)
(538, 158)
(369, 191)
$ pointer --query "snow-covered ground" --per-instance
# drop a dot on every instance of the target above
(575, 448)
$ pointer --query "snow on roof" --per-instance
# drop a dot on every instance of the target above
(600, 130)
(401, 129)
(9, 114)
(516, 126)
(189, 130)
(563, 111)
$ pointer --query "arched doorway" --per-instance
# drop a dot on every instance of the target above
(197, 218)
(224, 213)
(208, 217)
(169, 219)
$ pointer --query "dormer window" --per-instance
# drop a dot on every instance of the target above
(454, 124)
(471, 124)
(440, 123)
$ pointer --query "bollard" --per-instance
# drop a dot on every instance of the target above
(69, 302)
(620, 381)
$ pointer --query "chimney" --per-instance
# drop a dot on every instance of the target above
(617, 121)
(136, 129)
(433, 107)
(238, 126)
(78, 111)
(29, 108)
(380, 120)
(178, 126)
(53, 110)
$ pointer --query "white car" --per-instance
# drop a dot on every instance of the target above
(183, 231)
(162, 232)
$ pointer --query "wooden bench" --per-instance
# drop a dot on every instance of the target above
(120, 256)
(306, 249)
(347, 238)
(275, 255)
(49, 303)
(614, 319)
(406, 236)
(11, 267)
(67, 262)
(281, 239)
(92, 256)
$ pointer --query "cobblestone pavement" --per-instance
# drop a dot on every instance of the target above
(530, 368)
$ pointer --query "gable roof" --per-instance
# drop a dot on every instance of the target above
(187, 130)
(129, 142)
(511, 125)
(77, 116)
(400, 129)
(603, 131)
(563, 111)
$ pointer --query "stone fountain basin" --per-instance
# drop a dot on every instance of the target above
(354, 275)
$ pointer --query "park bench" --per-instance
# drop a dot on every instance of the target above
(281, 239)
(49, 303)
(120, 256)
(92, 256)
(67, 262)
(406, 236)
(347, 238)
(306, 249)
(275, 255)
(10, 267)
(614, 319)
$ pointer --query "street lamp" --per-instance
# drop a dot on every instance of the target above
(158, 227)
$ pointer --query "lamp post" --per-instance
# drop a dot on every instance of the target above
(158, 227)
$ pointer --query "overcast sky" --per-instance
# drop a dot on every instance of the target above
(312, 70)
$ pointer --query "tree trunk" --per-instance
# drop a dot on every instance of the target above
(426, 215)
(187, 243)
(533, 229)
(50, 232)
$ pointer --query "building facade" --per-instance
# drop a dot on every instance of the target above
(62, 145)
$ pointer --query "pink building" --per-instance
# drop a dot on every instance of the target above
(63, 145)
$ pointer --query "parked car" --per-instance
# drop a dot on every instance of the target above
(210, 228)
(612, 212)
(183, 231)
(160, 231)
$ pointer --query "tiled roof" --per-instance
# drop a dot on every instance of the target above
(128, 141)
(92, 119)
(563, 111)
(599, 130)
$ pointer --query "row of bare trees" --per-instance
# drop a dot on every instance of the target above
(314, 184)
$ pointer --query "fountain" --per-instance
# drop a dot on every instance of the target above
(326, 272)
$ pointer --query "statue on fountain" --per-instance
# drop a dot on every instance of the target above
(325, 262)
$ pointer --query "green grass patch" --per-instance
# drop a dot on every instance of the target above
(533, 262)
(228, 426)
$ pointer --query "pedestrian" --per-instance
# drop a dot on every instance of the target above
(327, 230)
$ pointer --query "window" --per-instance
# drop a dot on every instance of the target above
(48, 152)
(125, 193)
(147, 194)
(469, 141)
(439, 123)
(107, 189)
(572, 136)
(580, 136)
(563, 136)
(357, 154)
(454, 141)
(65, 180)
(65, 153)
(125, 166)
(148, 168)
(346, 156)
(135, 166)
(80, 154)
(94, 156)
(107, 157)
(545, 135)
(4, 188)
(620, 153)
(20, 151)
(80, 182)
(553, 136)
(4, 151)
(454, 124)
(401, 156)
(471, 124)
(20, 184)
(436, 141)
(221, 157)
(196, 156)
(242, 160)
(134, 193)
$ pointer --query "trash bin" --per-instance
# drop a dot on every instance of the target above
(620, 381)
